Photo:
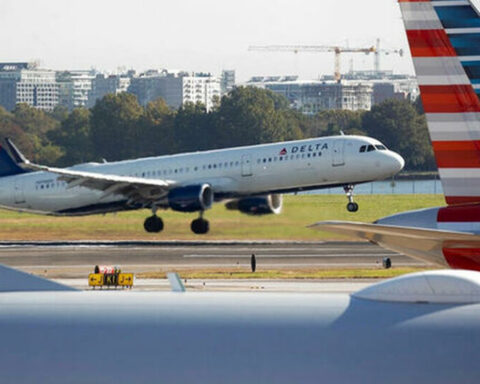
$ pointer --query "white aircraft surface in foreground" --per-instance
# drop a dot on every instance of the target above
(443, 38)
(250, 178)
(419, 328)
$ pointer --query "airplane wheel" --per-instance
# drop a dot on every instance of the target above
(200, 226)
(153, 224)
(352, 207)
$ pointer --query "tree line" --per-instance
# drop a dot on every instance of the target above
(119, 128)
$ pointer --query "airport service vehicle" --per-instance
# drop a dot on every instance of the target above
(443, 38)
(419, 328)
(250, 179)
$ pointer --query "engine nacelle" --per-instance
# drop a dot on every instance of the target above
(258, 205)
(191, 198)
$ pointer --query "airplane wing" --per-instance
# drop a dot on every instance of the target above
(430, 245)
(137, 190)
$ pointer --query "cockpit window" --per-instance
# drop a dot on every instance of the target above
(370, 148)
(362, 148)
(381, 147)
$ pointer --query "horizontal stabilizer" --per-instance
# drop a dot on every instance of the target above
(373, 232)
(12, 280)
(429, 245)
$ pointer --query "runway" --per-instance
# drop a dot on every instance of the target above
(76, 260)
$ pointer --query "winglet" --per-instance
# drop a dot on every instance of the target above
(15, 152)
(13, 280)
(175, 282)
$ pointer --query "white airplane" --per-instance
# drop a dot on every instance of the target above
(419, 328)
(250, 178)
(443, 38)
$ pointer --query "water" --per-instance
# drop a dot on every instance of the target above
(388, 187)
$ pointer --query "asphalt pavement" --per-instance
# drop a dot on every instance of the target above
(72, 260)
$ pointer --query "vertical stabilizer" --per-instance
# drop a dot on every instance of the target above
(8, 167)
(444, 39)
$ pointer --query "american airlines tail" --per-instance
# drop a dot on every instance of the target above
(444, 39)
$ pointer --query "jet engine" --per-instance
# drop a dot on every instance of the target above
(191, 198)
(258, 205)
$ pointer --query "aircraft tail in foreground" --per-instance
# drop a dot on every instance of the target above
(444, 39)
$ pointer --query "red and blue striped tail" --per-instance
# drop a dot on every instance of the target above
(444, 38)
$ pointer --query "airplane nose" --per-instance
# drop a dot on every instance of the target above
(397, 162)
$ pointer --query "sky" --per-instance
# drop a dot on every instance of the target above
(192, 35)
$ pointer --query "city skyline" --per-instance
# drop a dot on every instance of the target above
(192, 36)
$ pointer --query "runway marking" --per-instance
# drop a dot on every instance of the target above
(200, 256)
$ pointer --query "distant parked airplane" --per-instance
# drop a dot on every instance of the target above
(419, 328)
(444, 42)
(249, 178)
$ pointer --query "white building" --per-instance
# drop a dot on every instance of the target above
(176, 88)
(227, 81)
(75, 88)
(311, 97)
(103, 85)
(25, 83)
(200, 88)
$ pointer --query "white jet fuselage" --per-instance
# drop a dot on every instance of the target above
(231, 173)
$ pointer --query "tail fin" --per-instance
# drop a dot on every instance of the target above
(8, 167)
(444, 38)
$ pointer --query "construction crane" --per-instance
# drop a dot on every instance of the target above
(314, 48)
(379, 51)
(326, 48)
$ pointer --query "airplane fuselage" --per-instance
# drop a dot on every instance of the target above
(224, 337)
(231, 173)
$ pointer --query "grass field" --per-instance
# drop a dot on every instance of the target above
(298, 212)
(296, 274)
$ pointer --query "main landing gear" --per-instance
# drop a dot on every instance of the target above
(153, 224)
(351, 206)
(200, 226)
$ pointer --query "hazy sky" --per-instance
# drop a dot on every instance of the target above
(206, 35)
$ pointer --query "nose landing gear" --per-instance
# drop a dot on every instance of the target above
(351, 206)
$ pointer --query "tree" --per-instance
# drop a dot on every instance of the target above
(115, 127)
(194, 129)
(331, 122)
(249, 115)
(397, 124)
(59, 113)
(157, 129)
(35, 125)
(9, 128)
(73, 137)
(33, 120)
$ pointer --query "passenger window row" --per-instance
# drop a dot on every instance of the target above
(170, 171)
(289, 157)
(49, 184)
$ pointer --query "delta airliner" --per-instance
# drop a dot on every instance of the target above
(250, 179)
